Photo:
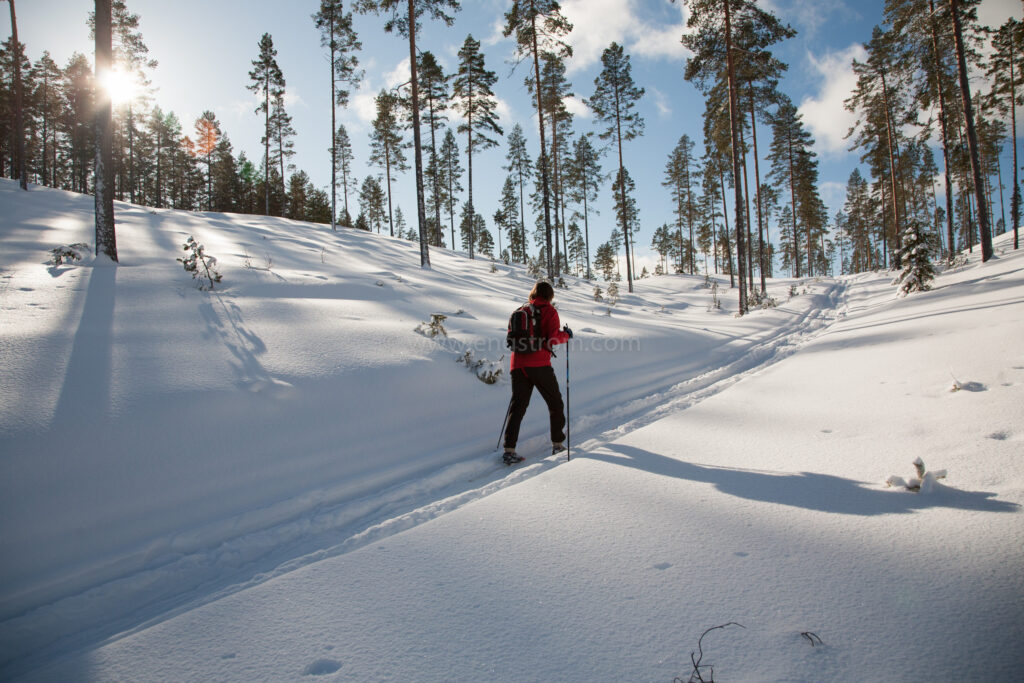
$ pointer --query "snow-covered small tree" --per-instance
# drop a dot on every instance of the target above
(915, 256)
(200, 264)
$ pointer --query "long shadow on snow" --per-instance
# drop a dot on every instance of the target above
(808, 490)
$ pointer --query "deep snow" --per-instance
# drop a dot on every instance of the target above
(281, 478)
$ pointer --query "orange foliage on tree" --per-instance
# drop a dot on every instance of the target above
(207, 135)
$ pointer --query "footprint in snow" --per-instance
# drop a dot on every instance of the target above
(663, 566)
(999, 436)
(322, 667)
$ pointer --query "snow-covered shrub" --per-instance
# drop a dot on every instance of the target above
(792, 291)
(486, 371)
(613, 293)
(715, 303)
(924, 482)
(435, 327)
(915, 255)
(959, 261)
(198, 258)
(69, 253)
(763, 301)
(598, 293)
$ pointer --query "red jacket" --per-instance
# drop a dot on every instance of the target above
(551, 328)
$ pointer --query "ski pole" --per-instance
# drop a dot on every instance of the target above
(568, 411)
(504, 424)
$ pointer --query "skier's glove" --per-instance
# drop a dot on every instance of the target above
(565, 328)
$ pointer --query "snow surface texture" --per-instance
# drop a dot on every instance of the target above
(281, 479)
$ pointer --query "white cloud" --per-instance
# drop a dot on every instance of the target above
(660, 42)
(824, 113)
(809, 16)
(399, 75)
(994, 13)
(365, 106)
(833, 193)
(598, 23)
(661, 102)
(576, 107)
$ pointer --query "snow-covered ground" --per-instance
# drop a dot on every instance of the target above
(281, 478)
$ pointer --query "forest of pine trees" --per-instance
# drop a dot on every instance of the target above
(755, 173)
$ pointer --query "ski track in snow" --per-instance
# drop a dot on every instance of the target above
(197, 578)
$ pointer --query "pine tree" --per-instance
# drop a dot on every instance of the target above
(475, 100)
(1005, 72)
(604, 260)
(19, 119)
(451, 176)
(972, 135)
(555, 88)
(268, 83)
(282, 131)
(208, 133)
(859, 219)
(583, 171)
(628, 214)
(339, 37)
(434, 102)
(717, 26)
(511, 220)
(794, 167)
(404, 18)
(225, 189)
(924, 44)
(680, 178)
(484, 240)
(519, 165)
(343, 157)
(400, 224)
(915, 256)
(387, 145)
(49, 104)
(879, 101)
(371, 203)
(539, 28)
(106, 238)
(614, 104)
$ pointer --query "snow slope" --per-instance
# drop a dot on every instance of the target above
(282, 478)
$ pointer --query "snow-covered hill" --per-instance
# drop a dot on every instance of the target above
(283, 478)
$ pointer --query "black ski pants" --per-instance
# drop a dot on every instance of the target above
(523, 382)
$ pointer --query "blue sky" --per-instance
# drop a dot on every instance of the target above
(205, 49)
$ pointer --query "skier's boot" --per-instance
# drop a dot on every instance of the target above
(511, 457)
(557, 447)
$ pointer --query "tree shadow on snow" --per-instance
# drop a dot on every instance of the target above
(808, 490)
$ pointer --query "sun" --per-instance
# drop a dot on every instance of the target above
(121, 86)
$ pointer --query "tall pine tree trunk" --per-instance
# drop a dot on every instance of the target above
(421, 210)
(972, 134)
(19, 117)
(1015, 195)
(890, 140)
(725, 216)
(757, 200)
(792, 199)
(334, 131)
(266, 146)
(735, 140)
(950, 237)
(543, 151)
(106, 239)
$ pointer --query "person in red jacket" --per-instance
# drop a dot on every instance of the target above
(533, 370)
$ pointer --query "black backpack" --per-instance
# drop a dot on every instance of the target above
(524, 330)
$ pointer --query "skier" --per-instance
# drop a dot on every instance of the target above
(534, 369)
